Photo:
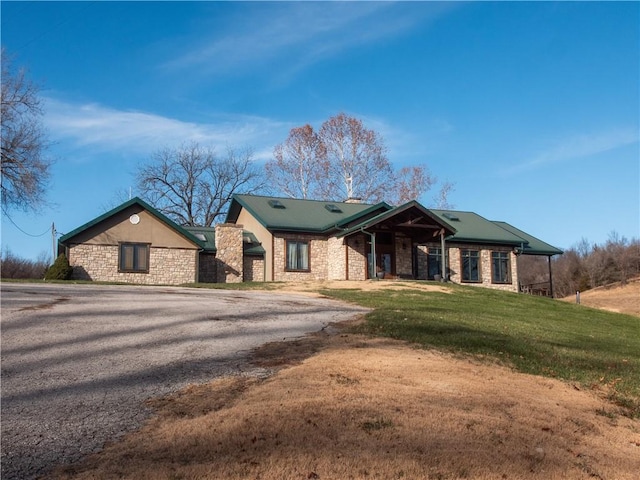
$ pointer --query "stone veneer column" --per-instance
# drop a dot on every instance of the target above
(229, 253)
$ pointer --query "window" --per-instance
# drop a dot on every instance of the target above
(297, 255)
(501, 267)
(470, 265)
(434, 262)
(134, 257)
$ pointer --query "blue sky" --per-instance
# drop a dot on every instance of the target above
(531, 109)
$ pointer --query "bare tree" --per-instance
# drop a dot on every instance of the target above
(442, 198)
(357, 163)
(342, 160)
(193, 186)
(298, 164)
(25, 170)
(409, 183)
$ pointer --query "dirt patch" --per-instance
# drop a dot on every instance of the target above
(45, 306)
(343, 406)
(312, 288)
(620, 298)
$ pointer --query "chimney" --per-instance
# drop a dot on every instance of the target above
(353, 200)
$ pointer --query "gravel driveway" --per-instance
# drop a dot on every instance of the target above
(78, 361)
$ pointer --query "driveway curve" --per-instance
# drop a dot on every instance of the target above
(78, 361)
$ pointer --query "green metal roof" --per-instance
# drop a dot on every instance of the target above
(134, 201)
(209, 235)
(471, 227)
(298, 215)
(381, 217)
(251, 245)
(533, 245)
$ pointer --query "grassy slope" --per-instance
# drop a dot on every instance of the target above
(536, 335)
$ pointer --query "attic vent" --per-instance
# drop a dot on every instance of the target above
(332, 208)
(451, 216)
(200, 236)
(276, 204)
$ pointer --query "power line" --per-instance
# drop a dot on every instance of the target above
(48, 230)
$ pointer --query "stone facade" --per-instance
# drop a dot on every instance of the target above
(357, 258)
(336, 258)
(207, 268)
(229, 253)
(404, 257)
(253, 269)
(318, 258)
(454, 265)
(167, 266)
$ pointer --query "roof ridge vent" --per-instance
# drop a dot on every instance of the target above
(276, 204)
(451, 216)
(333, 208)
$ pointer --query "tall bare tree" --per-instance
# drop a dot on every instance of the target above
(410, 183)
(357, 161)
(299, 164)
(342, 160)
(193, 185)
(25, 170)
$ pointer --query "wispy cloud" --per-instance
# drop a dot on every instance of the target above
(297, 35)
(99, 128)
(577, 147)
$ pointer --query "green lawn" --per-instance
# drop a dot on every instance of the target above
(594, 348)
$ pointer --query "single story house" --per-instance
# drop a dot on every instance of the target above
(283, 239)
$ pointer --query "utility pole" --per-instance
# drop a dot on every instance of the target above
(53, 243)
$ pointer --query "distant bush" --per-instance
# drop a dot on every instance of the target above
(60, 270)
(12, 266)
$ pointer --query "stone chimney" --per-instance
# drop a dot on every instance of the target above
(229, 253)
(353, 200)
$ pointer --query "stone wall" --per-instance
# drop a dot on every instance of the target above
(404, 259)
(229, 253)
(208, 268)
(357, 258)
(337, 259)
(167, 266)
(317, 258)
(253, 269)
(455, 266)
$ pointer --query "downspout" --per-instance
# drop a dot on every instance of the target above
(373, 251)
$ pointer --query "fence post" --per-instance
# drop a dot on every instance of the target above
(578, 297)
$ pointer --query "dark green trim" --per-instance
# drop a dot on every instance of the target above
(134, 201)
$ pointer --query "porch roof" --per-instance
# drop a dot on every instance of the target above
(412, 219)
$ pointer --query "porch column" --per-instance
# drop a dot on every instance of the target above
(443, 257)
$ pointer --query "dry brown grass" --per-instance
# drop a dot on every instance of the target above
(344, 406)
(312, 288)
(615, 298)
